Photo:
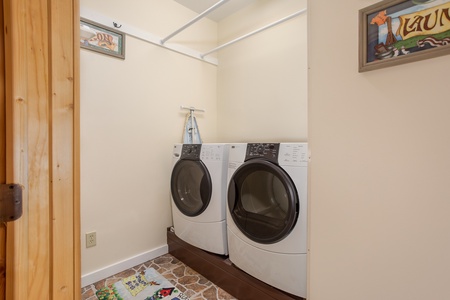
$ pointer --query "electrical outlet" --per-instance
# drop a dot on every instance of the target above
(91, 239)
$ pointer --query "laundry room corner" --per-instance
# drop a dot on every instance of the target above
(131, 111)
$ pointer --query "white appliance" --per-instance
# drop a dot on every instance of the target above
(198, 190)
(267, 212)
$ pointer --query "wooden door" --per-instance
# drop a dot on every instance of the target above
(39, 148)
(2, 156)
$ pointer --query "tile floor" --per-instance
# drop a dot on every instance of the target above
(188, 281)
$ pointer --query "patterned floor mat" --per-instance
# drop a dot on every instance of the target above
(148, 285)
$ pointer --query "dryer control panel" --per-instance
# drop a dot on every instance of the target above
(295, 154)
(268, 151)
(191, 151)
(212, 152)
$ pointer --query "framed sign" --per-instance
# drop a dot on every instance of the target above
(394, 32)
(96, 37)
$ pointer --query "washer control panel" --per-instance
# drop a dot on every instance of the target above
(191, 151)
(268, 151)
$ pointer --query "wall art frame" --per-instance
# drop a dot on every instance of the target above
(99, 38)
(394, 32)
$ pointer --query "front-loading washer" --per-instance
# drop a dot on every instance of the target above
(198, 193)
(267, 212)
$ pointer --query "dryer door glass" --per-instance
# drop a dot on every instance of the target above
(263, 201)
(191, 187)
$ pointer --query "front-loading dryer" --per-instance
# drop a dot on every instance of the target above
(198, 193)
(267, 212)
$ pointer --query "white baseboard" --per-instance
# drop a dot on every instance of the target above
(118, 267)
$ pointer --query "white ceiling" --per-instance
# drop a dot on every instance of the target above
(226, 9)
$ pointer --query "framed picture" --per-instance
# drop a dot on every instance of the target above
(394, 32)
(96, 37)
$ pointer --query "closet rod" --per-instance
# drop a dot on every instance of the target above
(254, 32)
(215, 6)
(143, 35)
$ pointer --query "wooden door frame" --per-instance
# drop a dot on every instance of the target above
(42, 147)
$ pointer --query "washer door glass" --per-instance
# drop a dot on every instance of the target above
(191, 187)
(263, 201)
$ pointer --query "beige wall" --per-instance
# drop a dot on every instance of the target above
(130, 119)
(262, 80)
(380, 168)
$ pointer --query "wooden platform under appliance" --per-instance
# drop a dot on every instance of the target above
(223, 273)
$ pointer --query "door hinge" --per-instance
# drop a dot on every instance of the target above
(10, 202)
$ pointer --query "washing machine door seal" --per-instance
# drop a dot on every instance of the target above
(263, 201)
(191, 187)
